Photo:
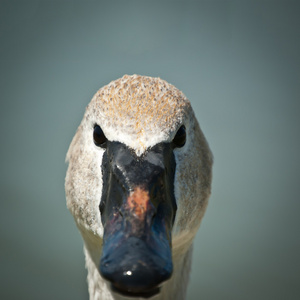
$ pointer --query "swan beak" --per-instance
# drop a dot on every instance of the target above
(137, 211)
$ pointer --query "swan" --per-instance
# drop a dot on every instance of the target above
(137, 184)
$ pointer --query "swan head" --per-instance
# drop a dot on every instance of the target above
(138, 181)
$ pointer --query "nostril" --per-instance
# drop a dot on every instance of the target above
(101, 207)
(153, 218)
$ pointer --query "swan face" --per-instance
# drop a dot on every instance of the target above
(136, 191)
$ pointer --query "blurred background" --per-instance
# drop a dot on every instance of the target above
(239, 64)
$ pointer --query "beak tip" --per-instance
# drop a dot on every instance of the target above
(135, 269)
(143, 294)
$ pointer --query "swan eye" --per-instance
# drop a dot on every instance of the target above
(180, 137)
(99, 137)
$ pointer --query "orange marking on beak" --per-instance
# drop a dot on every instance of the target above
(138, 201)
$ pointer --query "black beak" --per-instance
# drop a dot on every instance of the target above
(137, 211)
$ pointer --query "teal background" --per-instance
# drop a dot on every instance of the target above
(239, 64)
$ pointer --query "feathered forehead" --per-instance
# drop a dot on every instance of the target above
(139, 107)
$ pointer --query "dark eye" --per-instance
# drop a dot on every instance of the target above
(99, 137)
(180, 137)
